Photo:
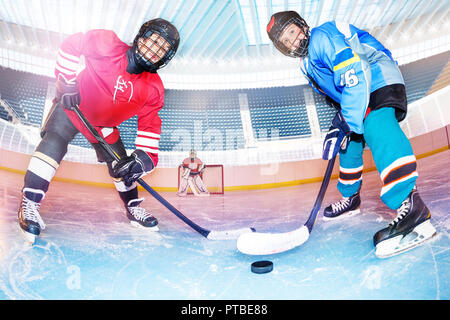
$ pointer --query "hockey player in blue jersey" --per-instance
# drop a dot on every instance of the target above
(362, 81)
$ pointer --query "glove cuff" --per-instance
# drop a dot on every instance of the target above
(144, 160)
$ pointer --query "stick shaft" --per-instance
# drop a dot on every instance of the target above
(107, 147)
(323, 188)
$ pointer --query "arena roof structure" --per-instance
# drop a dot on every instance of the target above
(217, 36)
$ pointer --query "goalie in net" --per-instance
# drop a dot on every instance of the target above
(191, 177)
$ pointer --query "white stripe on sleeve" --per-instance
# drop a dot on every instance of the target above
(147, 142)
(148, 134)
(68, 56)
(150, 150)
(67, 64)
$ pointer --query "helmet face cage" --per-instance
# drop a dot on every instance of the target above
(164, 30)
(277, 29)
(302, 49)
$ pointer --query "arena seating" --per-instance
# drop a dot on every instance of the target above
(25, 93)
(281, 109)
(205, 115)
(4, 114)
(325, 113)
(420, 75)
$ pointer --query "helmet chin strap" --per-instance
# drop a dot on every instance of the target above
(133, 67)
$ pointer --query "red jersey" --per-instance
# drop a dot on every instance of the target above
(195, 166)
(109, 94)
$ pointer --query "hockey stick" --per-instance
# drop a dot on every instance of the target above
(258, 243)
(209, 234)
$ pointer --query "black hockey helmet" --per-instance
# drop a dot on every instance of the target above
(164, 29)
(278, 22)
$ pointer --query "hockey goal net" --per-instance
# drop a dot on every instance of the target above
(212, 177)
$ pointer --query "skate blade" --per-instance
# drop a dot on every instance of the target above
(140, 226)
(343, 216)
(394, 246)
(29, 237)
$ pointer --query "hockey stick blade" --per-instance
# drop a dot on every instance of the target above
(213, 235)
(228, 234)
(258, 243)
(269, 243)
(209, 234)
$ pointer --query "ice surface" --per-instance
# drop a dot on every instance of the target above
(90, 251)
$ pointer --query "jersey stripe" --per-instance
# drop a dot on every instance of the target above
(149, 142)
(389, 186)
(41, 168)
(64, 70)
(396, 164)
(69, 56)
(350, 170)
(400, 172)
(147, 149)
(343, 64)
(67, 64)
(148, 134)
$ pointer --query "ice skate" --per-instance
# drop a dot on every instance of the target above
(30, 221)
(202, 194)
(410, 228)
(139, 217)
(346, 207)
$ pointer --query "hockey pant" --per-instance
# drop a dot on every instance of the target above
(391, 152)
(194, 182)
(56, 134)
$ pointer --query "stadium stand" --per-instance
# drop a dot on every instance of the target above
(4, 114)
(281, 109)
(25, 93)
(325, 113)
(420, 75)
(204, 115)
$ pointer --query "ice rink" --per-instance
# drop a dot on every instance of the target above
(90, 251)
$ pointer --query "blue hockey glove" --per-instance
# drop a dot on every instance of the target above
(336, 138)
(133, 167)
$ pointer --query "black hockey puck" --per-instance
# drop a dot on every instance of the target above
(263, 266)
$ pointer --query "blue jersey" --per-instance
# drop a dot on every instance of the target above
(348, 64)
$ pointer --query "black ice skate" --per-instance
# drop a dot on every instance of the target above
(346, 207)
(30, 221)
(411, 228)
(139, 217)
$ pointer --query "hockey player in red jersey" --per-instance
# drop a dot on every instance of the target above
(192, 169)
(111, 82)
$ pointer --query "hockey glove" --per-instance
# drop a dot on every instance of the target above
(337, 137)
(131, 168)
(67, 93)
